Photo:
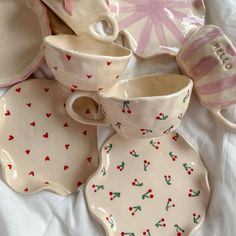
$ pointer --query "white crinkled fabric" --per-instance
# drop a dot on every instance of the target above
(46, 214)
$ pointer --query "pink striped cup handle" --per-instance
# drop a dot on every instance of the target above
(209, 58)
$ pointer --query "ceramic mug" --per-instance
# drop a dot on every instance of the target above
(209, 58)
(81, 16)
(83, 63)
(144, 107)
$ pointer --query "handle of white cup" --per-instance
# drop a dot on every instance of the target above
(225, 122)
(112, 23)
(76, 116)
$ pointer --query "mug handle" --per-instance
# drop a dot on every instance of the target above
(114, 26)
(226, 123)
(74, 115)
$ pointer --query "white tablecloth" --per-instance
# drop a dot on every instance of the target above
(46, 214)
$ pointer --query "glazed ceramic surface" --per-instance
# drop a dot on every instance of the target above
(148, 187)
(41, 146)
(23, 25)
(209, 58)
(81, 16)
(155, 26)
(83, 63)
(144, 107)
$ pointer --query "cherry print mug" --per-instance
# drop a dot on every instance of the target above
(82, 63)
(209, 58)
(144, 107)
(81, 16)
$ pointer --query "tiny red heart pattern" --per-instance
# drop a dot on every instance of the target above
(46, 135)
(10, 137)
(49, 141)
(48, 115)
(89, 76)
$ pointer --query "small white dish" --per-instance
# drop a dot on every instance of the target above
(23, 25)
(149, 187)
(41, 146)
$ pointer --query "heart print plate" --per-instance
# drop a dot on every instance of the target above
(41, 146)
(149, 187)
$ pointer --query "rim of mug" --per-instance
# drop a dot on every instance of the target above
(189, 85)
(128, 52)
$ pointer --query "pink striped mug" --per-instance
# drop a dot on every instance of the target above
(209, 58)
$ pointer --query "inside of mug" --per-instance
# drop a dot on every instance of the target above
(148, 86)
(86, 45)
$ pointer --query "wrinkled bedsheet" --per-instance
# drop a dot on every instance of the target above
(46, 214)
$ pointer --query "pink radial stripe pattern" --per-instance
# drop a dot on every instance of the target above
(157, 15)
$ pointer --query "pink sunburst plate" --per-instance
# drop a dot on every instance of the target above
(154, 27)
(23, 25)
(41, 146)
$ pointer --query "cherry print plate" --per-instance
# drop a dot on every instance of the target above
(149, 187)
(154, 27)
(23, 25)
(41, 146)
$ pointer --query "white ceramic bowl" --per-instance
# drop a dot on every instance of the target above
(82, 63)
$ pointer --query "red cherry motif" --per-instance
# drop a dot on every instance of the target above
(89, 159)
(31, 173)
(47, 158)
(67, 146)
(68, 57)
(8, 113)
(18, 90)
(89, 76)
(72, 90)
(48, 115)
(46, 89)
(29, 104)
(26, 190)
(109, 63)
(46, 135)
(9, 166)
(79, 184)
(32, 123)
(10, 137)
(85, 132)
(66, 167)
